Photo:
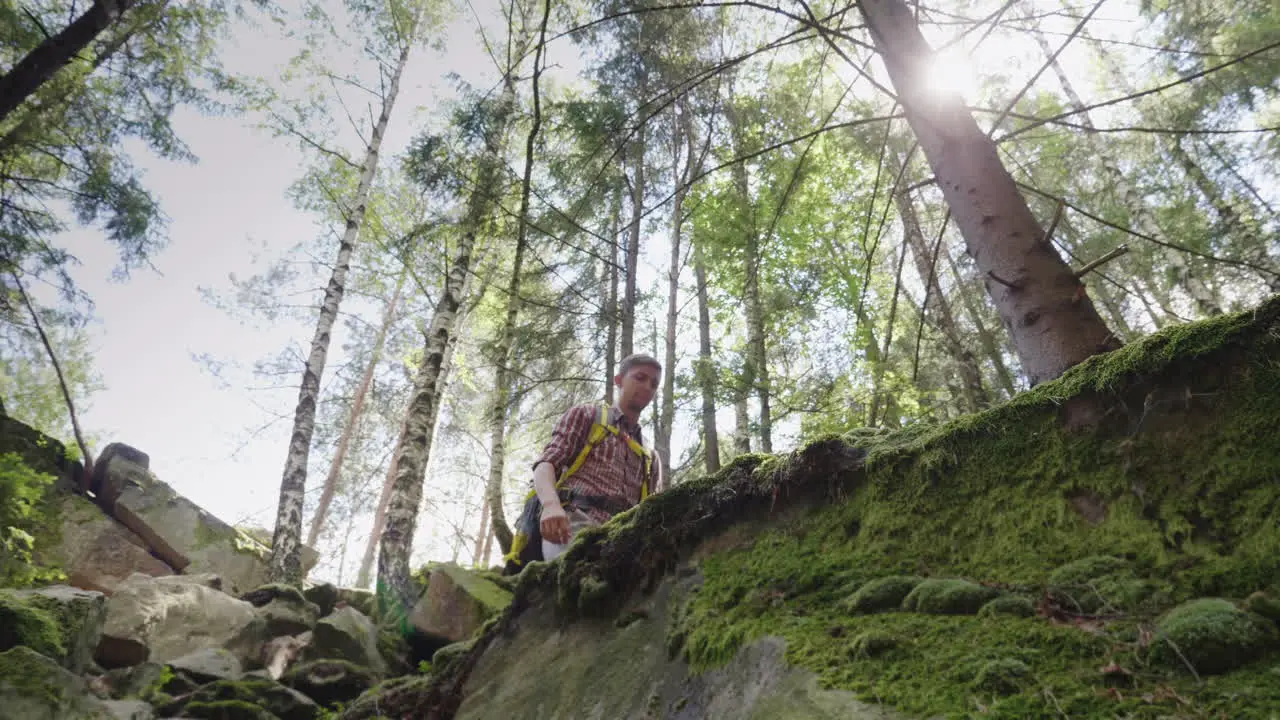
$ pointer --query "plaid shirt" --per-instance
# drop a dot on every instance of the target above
(612, 469)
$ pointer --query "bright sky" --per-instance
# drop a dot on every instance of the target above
(223, 211)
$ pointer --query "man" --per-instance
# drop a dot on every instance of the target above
(611, 476)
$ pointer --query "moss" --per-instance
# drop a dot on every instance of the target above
(948, 596)
(1212, 636)
(1003, 677)
(329, 682)
(403, 697)
(885, 593)
(1015, 605)
(449, 653)
(23, 621)
(593, 595)
(872, 644)
(1265, 605)
(1171, 473)
(258, 695)
(227, 710)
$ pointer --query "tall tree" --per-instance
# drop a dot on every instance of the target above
(1045, 307)
(39, 65)
(403, 25)
(353, 418)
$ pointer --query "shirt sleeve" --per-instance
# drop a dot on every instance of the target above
(568, 438)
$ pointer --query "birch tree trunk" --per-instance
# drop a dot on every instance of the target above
(365, 574)
(742, 429)
(1041, 302)
(357, 407)
(502, 373)
(46, 59)
(972, 390)
(405, 497)
(285, 564)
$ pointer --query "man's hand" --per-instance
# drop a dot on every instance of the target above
(555, 525)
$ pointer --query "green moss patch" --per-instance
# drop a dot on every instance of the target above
(885, 593)
(1211, 636)
(1139, 480)
(257, 698)
(1014, 605)
(25, 622)
(948, 596)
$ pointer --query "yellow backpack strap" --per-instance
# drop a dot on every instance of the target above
(594, 436)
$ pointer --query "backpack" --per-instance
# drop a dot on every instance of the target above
(526, 544)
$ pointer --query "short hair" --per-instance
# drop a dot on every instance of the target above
(635, 359)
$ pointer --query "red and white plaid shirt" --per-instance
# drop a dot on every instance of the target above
(612, 470)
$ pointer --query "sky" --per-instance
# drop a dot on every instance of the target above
(223, 212)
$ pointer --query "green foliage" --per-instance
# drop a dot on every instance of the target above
(24, 515)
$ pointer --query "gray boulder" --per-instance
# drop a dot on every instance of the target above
(33, 687)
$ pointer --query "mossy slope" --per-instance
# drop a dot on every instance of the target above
(1151, 472)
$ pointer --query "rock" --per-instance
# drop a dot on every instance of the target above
(948, 596)
(236, 699)
(180, 532)
(280, 652)
(330, 681)
(362, 600)
(398, 697)
(324, 595)
(106, 485)
(208, 665)
(26, 624)
(886, 593)
(164, 619)
(95, 551)
(1211, 634)
(346, 635)
(33, 687)
(284, 609)
(137, 681)
(130, 709)
(80, 615)
(456, 603)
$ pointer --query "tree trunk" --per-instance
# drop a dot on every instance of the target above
(357, 407)
(364, 576)
(502, 380)
(757, 366)
(481, 534)
(706, 369)
(394, 596)
(633, 245)
(285, 563)
(987, 339)
(1045, 307)
(40, 65)
(611, 309)
(742, 431)
(974, 394)
(682, 134)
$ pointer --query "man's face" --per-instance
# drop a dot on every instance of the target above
(637, 388)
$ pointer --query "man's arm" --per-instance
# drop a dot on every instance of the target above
(568, 437)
